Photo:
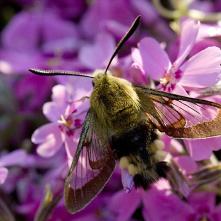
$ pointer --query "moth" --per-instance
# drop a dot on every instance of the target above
(121, 126)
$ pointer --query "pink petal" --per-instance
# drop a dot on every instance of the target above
(201, 149)
(208, 199)
(50, 137)
(3, 174)
(137, 74)
(42, 132)
(71, 145)
(188, 36)
(180, 90)
(81, 106)
(136, 57)
(59, 94)
(203, 69)
(52, 111)
(146, 10)
(197, 81)
(98, 54)
(77, 87)
(203, 61)
(80, 87)
(208, 30)
(155, 61)
(186, 163)
(164, 205)
(203, 44)
(124, 204)
(23, 26)
(115, 28)
(50, 146)
(17, 157)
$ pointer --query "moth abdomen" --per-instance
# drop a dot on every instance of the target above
(136, 149)
(131, 141)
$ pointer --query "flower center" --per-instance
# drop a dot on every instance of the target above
(68, 125)
(66, 122)
(166, 79)
(171, 77)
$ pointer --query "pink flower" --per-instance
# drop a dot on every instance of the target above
(66, 115)
(199, 71)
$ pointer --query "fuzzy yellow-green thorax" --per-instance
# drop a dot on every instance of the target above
(115, 102)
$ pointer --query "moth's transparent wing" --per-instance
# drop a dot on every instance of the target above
(180, 116)
(91, 168)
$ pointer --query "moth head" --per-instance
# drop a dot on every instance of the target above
(111, 95)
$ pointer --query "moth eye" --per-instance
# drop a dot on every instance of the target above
(93, 83)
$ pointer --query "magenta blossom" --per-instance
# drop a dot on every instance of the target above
(159, 203)
(162, 205)
(124, 205)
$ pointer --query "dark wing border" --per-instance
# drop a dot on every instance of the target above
(181, 110)
(100, 161)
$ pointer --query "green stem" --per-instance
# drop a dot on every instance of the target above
(47, 206)
(175, 14)
(204, 17)
(184, 11)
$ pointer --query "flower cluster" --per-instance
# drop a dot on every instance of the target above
(175, 50)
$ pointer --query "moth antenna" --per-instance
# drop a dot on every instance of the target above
(130, 32)
(58, 72)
